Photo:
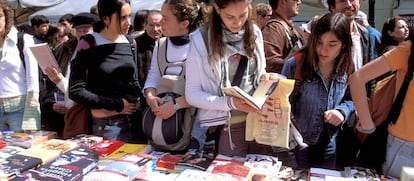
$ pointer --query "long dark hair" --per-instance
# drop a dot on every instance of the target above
(217, 46)
(338, 24)
(386, 39)
(107, 8)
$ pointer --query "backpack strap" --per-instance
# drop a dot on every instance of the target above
(163, 63)
(289, 34)
(20, 45)
(399, 100)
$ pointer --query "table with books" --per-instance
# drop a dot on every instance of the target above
(40, 156)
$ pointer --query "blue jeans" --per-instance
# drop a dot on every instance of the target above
(319, 155)
(11, 120)
(113, 128)
(399, 153)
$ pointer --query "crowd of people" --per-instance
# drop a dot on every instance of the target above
(117, 69)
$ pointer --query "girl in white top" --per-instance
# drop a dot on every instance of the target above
(19, 80)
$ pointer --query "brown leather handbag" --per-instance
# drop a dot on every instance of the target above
(77, 120)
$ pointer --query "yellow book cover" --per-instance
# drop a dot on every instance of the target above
(129, 148)
(49, 150)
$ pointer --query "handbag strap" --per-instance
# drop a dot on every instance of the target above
(397, 105)
(241, 68)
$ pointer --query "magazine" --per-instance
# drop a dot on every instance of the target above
(44, 56)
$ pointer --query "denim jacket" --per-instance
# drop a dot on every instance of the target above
(313, 99)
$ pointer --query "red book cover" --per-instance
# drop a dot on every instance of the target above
(106, 147)
(229, 167)
(168, 161)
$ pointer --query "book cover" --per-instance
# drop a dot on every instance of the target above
(263, 164)
(360, 173)
(23, 140)
(106, 147)
(320, 174)
(194, 160)
(44, 56)
(32, 175)
(407, 173)
(68, 167)
(49, 150)
(86, 140)
(17, 164)
(117, 170)
(9, 151)
(168, 161)
(229, 167)
(129, 148)
(190, 174)
(260, 95)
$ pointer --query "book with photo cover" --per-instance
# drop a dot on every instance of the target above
(17, 164)
(227, 166)
(263, 164)
(32, 175)
(86, 140)
(260, 95)
(168, 161)
(194, 160)
(44, 56)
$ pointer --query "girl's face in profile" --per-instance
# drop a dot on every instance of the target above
(234, 15)
(125, 21)
(169, 23)
(328, 47)
(400, 32)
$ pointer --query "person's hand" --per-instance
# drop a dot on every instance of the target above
(333, 117)
(53, 74)
(165, 110)
(243, 106)
(153, 102)
(269, 76)
(368, 130)
(59, 108)
(129, 108)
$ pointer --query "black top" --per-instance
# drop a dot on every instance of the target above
(102, 75)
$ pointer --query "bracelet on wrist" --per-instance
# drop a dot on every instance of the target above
(368, 131)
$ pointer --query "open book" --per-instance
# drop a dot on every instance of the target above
(44, 56)
(257, 100)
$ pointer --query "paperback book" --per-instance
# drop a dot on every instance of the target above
(17, 164)
(129, 148)
(194, 160)
(106, 147)
(49, 150)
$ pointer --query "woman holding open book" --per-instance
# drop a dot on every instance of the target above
(227, 52)
(321, 101)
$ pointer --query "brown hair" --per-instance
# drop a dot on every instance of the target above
(338, 24)
(188, 10)
(8, 16)
(217, 46)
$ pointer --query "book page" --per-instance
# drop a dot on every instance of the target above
(44, 56)
(260, 95)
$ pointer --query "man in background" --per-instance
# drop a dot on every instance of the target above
(263, 12)
(146, 43)
(280, 35)
(40, 25)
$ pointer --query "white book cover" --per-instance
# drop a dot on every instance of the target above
(44, 56)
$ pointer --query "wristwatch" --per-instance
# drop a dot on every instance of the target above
(176, 106)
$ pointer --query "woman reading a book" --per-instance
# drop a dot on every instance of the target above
(103, 74)
(321, 101)
(227, 52)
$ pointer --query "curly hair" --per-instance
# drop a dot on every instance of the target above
(8, 17)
